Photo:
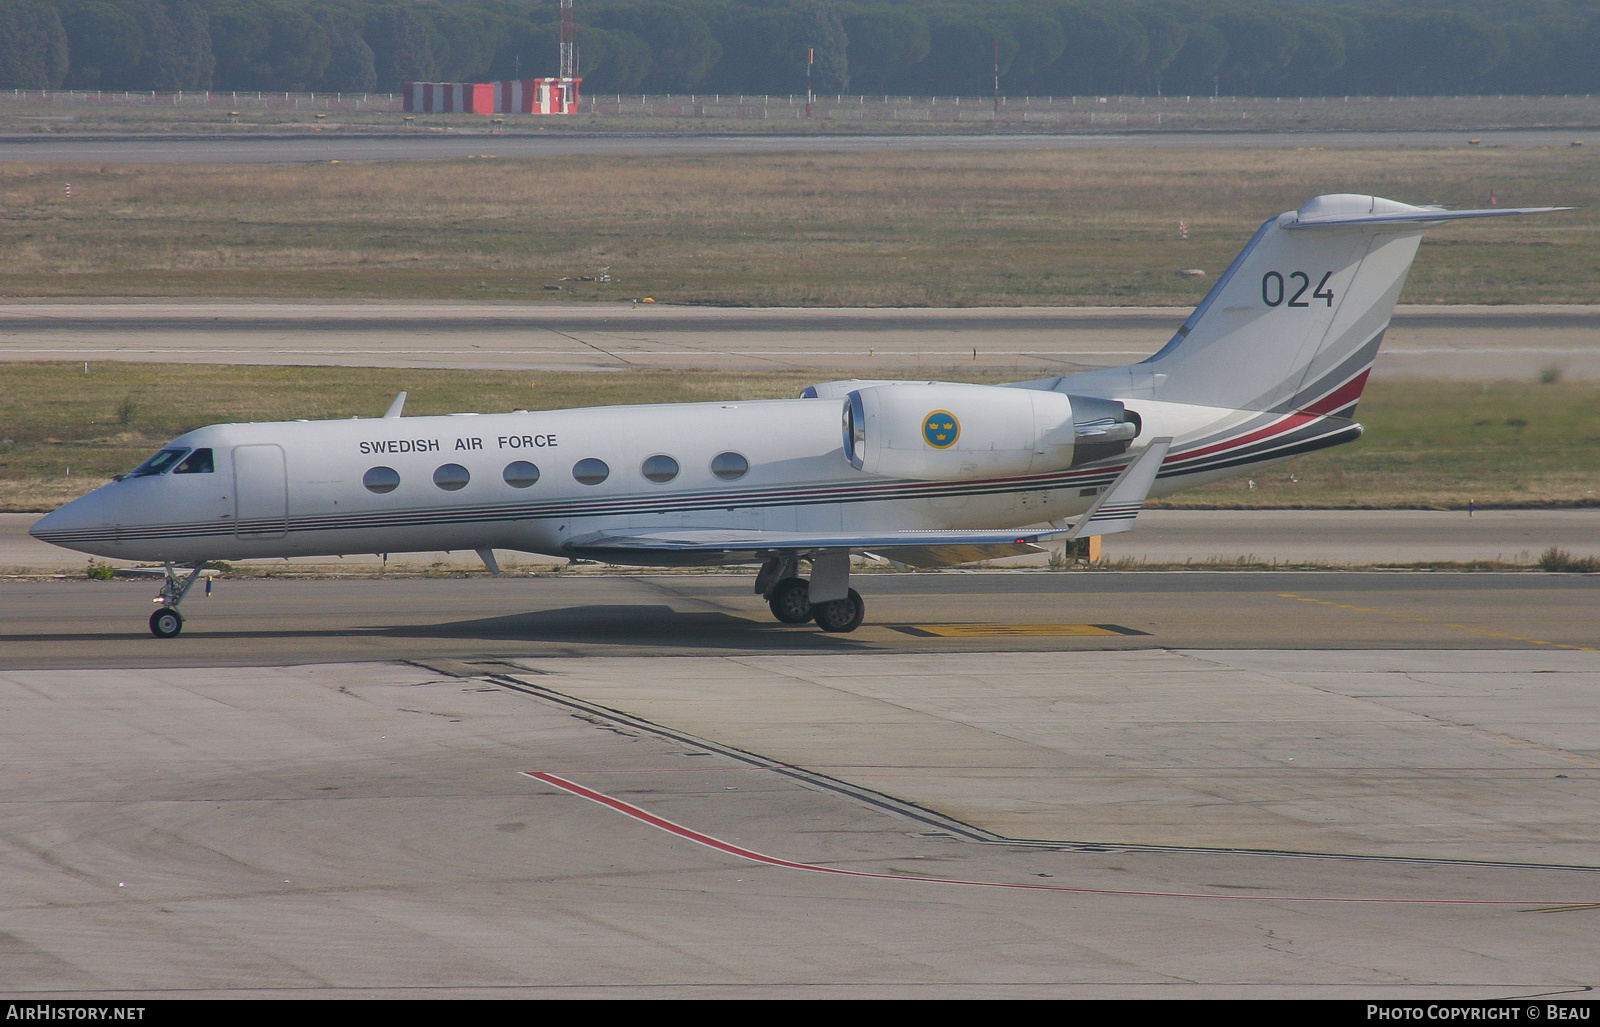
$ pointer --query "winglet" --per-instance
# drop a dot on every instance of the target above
(398, 405)
(1118, 505)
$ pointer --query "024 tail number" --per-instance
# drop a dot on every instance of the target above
(1275, 292)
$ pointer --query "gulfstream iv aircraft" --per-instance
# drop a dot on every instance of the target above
(1268, 366)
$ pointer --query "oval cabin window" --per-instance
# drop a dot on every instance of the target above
(451, 477)
(729, 466)
(520, 474)
(659, 469)
(381, 480)
(590, 471)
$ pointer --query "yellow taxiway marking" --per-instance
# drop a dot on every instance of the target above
(1431, 620)
(1481, 631)
(1009, 630)
(1565, 909)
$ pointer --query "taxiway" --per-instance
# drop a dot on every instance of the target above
(320, 148)
(1468, 342)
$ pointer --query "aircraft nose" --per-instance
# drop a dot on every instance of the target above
(71, 525)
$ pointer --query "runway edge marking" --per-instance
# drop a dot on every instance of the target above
(1434, 620)
(865, 796)
(910, 810)
(729, 848)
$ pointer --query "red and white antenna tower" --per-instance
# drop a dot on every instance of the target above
(569, 33)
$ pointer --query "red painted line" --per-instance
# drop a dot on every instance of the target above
(1341, 396)
(1287, 423)
(729, 848)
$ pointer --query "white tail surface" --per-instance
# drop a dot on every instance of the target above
(1295, 322)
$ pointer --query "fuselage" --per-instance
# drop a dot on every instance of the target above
(531, 480)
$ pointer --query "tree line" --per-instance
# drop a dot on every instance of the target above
(899, 47)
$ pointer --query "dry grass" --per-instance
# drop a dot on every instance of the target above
(1428, 444)
(885, 228)
(1559, 560)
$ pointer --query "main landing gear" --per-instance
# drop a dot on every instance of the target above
(790, 600)
(840, 614)
(167, 621)
(826, 599)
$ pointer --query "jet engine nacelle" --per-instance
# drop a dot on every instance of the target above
(949, 432)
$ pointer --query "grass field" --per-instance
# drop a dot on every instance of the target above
(1428, 444)
(911, 228)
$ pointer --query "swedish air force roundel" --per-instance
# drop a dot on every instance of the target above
(941, 429)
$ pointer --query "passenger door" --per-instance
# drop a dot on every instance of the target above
(260, 492)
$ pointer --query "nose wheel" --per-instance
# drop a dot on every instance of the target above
(166, 623)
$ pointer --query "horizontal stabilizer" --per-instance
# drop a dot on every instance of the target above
(1426, 216)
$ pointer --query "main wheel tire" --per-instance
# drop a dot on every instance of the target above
(166, 623)
(840, 614)
(791, 601)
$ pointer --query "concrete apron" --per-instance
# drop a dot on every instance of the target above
(1437, 754)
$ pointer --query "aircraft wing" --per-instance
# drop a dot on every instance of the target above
(714, 545)
(1118, 505)
(1113, 511)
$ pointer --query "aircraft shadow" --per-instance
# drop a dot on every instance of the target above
(635, 624)
(625, 625)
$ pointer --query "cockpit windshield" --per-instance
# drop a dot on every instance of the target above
(158, 464)
(197, 462)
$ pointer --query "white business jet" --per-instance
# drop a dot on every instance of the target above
(1267, 367)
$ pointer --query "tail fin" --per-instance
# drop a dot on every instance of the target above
(1295, 322)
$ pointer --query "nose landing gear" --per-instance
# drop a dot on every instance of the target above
(167, 621)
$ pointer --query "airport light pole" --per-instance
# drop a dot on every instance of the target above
(997, 78)
(811, 58)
